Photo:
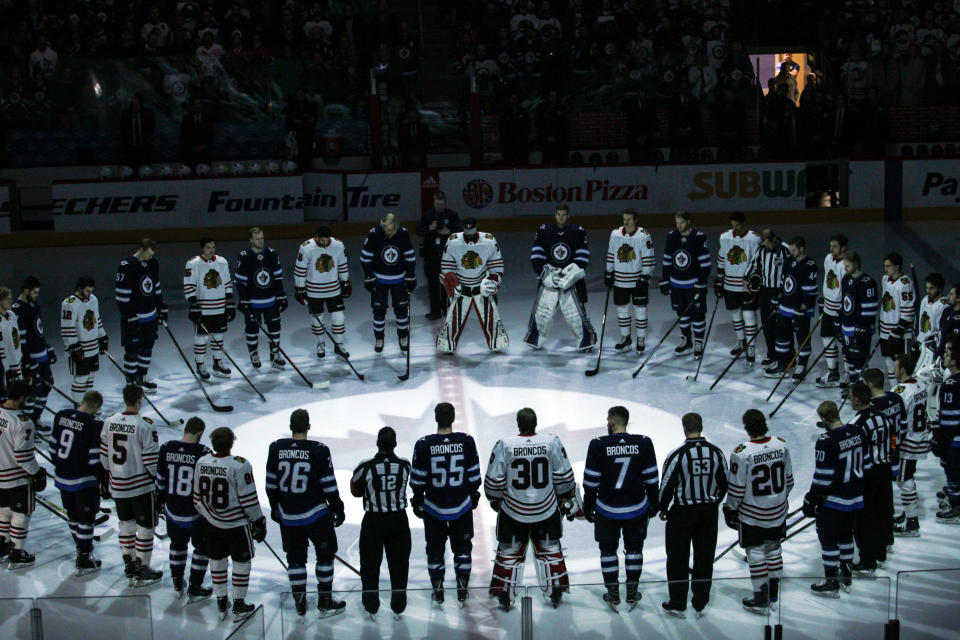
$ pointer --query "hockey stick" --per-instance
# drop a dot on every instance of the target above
(406, 374)
(736, 542)
(220, 408)
(323, 328)
(696, 296)
(783, 374)
(284, 564)
(58, 511)
(916, 301)
(745, 347)
(846, 396)
(50, 384)
(812, 522)
(312, 385)
(797, 383)
(223, 350)
(706, 338)
(603, 331)
(145, 396)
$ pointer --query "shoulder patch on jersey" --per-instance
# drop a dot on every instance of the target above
(239, 458)
(739, 448)
(147, 420)
(304, 243)
(543, 226)
(488, 236)
(899, 388)
(905, 280)
(780, 439)
(71, 299)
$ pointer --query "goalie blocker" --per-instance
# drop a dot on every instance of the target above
(557, 288)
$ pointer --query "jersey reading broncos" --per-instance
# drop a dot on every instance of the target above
(224, 492)
(129, 450)
(528, 472)
(761, 478)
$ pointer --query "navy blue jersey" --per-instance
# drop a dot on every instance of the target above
(389, 260)
(75, 450)
(175, 471)
(946, 437)
(559, 247)
(301, 485)
(138, 288)
(861, 299)
(620, 478)
(259, 277)
(799, 287)
(32, 342)
(842, 457)
(445, 471)
(686, 259)
(949, 327)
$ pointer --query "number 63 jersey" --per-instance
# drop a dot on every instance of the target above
(761, 478)
(224, 492)
(528, 472)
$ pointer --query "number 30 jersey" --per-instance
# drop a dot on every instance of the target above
(620, 479)
(224, 492)
(446, 469)
(301, 485)
(528, 473)
(761, 479)
(175, 471)
(129, 449)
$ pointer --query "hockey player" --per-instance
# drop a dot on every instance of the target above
(735, 263)
(932, 307)
(798, 297)
(949, 320)
(761, 479)
(321, 280)
(259, 280)
(84, 338)
(37, 354)
(831, 301)
(208, 288)
(913, 444)
(20, 476)
(527, 476)
(304, 501)
(472, 272)
(129, 450)
(10, 352)
(559, 257)
(175, 470)
(946, 437)
(389, 270)
(142, 310)
(836, 496)
(686, 267)
(445, 479)
(75, 449)
(857, 315)
(897, 311)
(226, 497)
(620, 495)
(630, 261)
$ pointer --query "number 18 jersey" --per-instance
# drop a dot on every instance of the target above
(175, 471)
(761, 478)
(528, 473)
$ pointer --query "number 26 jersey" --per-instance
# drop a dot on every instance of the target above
(761, 478)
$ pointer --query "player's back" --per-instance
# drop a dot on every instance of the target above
(447, 466)
(915, 442)
(843, 455)
(622, 467)
(768, 479)
(215, 490)
(17, 460)
(75, 448)
(534, 470)
(129, 452)
(299, 473)
(175, 470)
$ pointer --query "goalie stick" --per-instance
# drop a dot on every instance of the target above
(145, 396)
(223, 350)
(603, 330)
(312, 385)
(323, 328)
(220, 408)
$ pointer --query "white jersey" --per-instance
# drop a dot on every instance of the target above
(833, 275)
(897, 305)
(528, 473)
(736, 257)
(320, 270)
(80, 324)
(10, 349)
(761, 478)
(472, 260)
(930, 313)
(17, 460)
(915, 434)
(629, 256)
(209, 282)
(129, 450)
(224, 492)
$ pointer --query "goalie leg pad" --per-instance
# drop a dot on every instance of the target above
(453, 323)
(491, 324)
(576, 317)
(552, 566)
(508, 568)
(543, 307)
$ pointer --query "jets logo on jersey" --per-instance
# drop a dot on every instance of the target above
(887, 301)
(832, 281)
(789, 285)
(259, 257)
(471, 260)
(262, 277)
(847, 304)
(626, 253)
(736, 255)
(212, 279)
(560, 251)
(89, 320)
(146, 285)
(390, 255)
(324, 263)
(924, 322)
(39, 325)
(681, 260)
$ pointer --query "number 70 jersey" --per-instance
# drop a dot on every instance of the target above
(761, 478)
(528, 473)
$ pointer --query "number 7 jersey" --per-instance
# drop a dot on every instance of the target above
(761, 478)
(528, 473)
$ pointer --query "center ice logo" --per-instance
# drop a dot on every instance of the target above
(477, 194)
(390, 255)
(681, 260)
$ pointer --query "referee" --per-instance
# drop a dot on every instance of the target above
(382, 482)
(769, 264)
(694, 484)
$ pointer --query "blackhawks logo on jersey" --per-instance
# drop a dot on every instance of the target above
(212, 279)
(324, 263)
(900, 388)
(925, 322)
(89, 320)
(16, 339)
(471, 260)
(833, 282)
(736, 255)
(887, 303)
(626, 253)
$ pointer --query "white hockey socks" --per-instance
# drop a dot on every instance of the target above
(218, 572)
(241, 579)
(127, 537)
(623, 320)
(144, 545)
(737, 315)
(337, 326)
(19, 523)
(831, 352)
(640, 321)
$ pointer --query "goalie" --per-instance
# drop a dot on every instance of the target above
(471, 271)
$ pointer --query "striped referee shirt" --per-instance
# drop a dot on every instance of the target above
(769, 264)
(880, 433)
(382, 481)
(694, 473)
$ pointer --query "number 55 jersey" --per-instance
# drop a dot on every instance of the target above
(446, 470)
(761, 478)
(528, 472)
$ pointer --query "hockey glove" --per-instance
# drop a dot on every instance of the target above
(809, 507)
(300, 295)
(589, 516)
(39, 480)
(337, 516)
(488, 287)
(259, 529)
(282, 303)
(346, 289)
(718, 286)
(903, 328)
(411, 283)
(665, 287)
(158, 501)
(275, 515)
(162, 316)
(731, 517)
(495, 505)
(51, 355)
(104, 479)
(754, 282)
(231, 309)
(474, 499)
(30, 365)
(608, 279)
(244, 307)
(370, 283)
(416, 503)
(76, 353)
(104, 345)
(194, 313)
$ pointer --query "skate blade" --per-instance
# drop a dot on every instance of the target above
(760, 611)
(240, 617)
(195, 599)
(632, 605)
(461, 603)
(145, 583)
(826, 594)
(329, 613)
(846, 588)
(613, 607)
(223, 615)
(225, 376)
(276, 366)
(85, 572)
(178, 595)
(906, 534)
(13, 566)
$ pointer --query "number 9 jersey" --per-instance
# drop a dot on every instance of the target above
(761, 478)
(528, 472)
(224, 492)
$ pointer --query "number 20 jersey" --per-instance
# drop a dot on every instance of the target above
(224, 492)
(175, 471)
(528, 473)
(761, 478)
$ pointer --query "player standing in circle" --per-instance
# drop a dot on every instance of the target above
(259, 280)
(897, 311)
(735, 264)
(559, 257)
(527, 476)
(857, 315)
(10, 352)
(946, 437)
(225, 496)
(75, 449)
(305, 502)
(620, 495)
(37, 354)
(175, 470)
(949, 320)
(798, 297)
(445, 479)
(472, 272)
(129, 450)
(831, 302)
(321, 280)
(208, 288)
(686, 267)
(761, 479)
(630, 262)
(142, 310)
(389, 270)
(914, 444)
(83, 336)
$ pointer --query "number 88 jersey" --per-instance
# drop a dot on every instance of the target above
(761, 478)
(175, 471)
(224, 492)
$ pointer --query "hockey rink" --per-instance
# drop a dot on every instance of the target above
(487, 390)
